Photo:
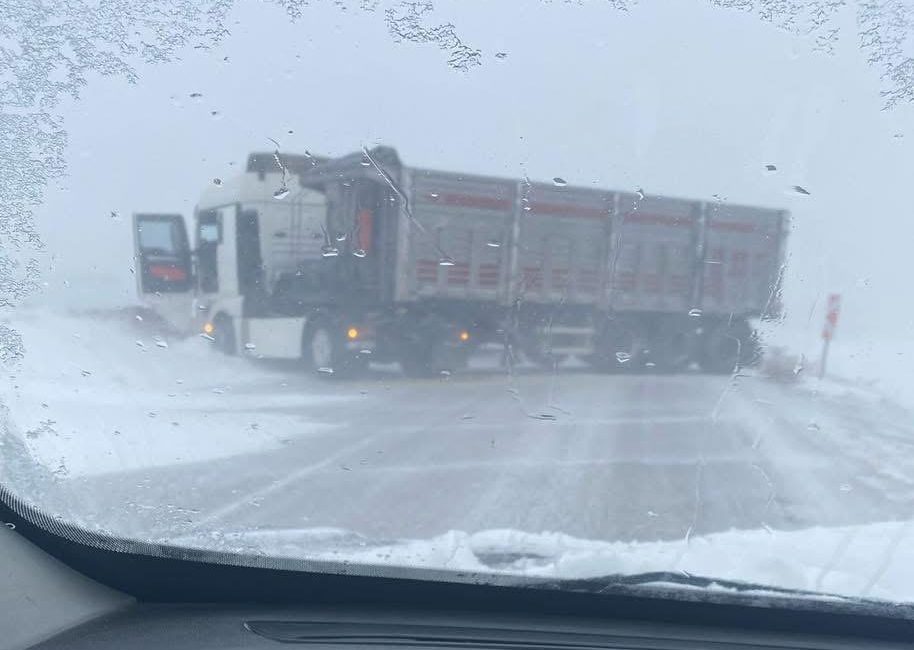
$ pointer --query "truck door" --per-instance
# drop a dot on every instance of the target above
(164, 268)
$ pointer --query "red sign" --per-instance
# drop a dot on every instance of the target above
(832, 311)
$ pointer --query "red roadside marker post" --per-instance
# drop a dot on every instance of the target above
(832, 311)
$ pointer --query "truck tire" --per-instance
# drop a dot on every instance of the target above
(433, 349)
(619, 348)
(224, 334)
(727, 346)
(535, 347)
(324, 352)
(673, 346)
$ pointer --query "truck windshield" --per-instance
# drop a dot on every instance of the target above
(554, 290)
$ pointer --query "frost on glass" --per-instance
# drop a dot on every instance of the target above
(883, 31)
(48, 51)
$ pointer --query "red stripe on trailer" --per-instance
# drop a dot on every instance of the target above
(624, 281)
(469, 201)
(658, 219)
(561, 209)
(733, 226)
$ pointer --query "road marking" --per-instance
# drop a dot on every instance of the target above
(513, 463)
(332, 459)
(610, 421)
(279, 484)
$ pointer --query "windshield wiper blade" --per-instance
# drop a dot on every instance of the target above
(623, 582)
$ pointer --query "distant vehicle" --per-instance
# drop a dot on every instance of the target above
(339, 262)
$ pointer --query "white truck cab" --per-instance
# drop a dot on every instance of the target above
(247, 235)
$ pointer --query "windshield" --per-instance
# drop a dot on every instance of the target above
(559, 290)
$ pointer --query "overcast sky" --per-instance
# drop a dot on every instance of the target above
(674, 97)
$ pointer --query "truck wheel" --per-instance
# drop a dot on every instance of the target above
(417, 363)
(727, 347)
(325, 353)
(431, 357)
(674, 346)
(619, 349)
(224, 334)
(537, 352)
(535, 344)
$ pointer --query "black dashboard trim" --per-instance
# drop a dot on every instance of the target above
(158, 573)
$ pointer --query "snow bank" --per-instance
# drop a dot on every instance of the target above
(108, 391)
(872, 560)
(873, 367)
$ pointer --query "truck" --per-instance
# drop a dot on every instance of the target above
(346, 261)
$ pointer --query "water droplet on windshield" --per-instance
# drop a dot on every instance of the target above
(215, 114)
(341, 236)
(801, 190)
(365, 163)
(160, 343)
(446, 261)
(433, 195)
(845, 487)
(812, 426)
(493, 243)
(325, 370)
(695, 313)
(359, 252)
(281, 193)
(640, 194)
(140, 344)
(197, 96)
(139, 318)
(330, 251)
(204, 335)
(501, 55)
(85, 373)
(250, 346)
(558, 181)
(217, 182)
(623, 357)
(770, 168)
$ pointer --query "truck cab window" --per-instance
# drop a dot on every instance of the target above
(159, 237)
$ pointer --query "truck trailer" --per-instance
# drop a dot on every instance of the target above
(341, 262)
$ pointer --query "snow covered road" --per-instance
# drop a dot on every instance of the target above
(243, 445)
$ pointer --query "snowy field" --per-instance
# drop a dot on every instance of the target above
(74, 399)
(111, 392)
